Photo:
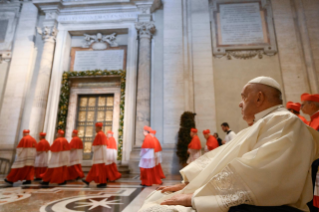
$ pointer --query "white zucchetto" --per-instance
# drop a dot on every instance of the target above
(266, 81)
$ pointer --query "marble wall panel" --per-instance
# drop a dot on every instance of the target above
(18, 76)
(172, 69)
(311, 12)
(204, 98)
(293, 69)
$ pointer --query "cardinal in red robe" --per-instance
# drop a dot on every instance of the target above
(310, 106)
(76, 156)
(58, 165)
(194, 147)
(111, 168)
(149, 174)
(295, 109)
(211, 141)
(41, 160)
(97, 172)
(23, 166)
(158, 154)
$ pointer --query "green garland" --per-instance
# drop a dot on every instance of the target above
(65, 95)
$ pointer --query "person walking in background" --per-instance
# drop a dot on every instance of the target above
(194, 147)
(41, 160)
(310, 106)
(149, 175)
(211, 141)
(219, 140)
(111, 168)
(57, 171)
(76, 156)
(97, 172)
(295, 109)
(229, 133)
(23, 166)
(158, 154)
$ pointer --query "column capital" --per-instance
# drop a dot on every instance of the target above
(48, 32)
(145, 29)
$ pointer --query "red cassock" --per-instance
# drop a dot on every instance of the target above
(211, 143)
(111, 168)
(314, 123)
(303, 119)
(194, 149)
(149, 173)
(76, 156)
(158, 155)
(41, 160)
(97, 172)
(58, 165)
(23, 166)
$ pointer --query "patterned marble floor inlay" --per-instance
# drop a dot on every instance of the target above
(67, 198)
(125, 195)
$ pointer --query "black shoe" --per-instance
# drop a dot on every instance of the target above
(86, 182)
(26, 182)
(64, 183)
(102, 185)
(78, 178)
(37, 179)
(145, 185)
(7, 181)
(44, 183)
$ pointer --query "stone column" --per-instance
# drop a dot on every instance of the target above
(43, 82)
(145, 30)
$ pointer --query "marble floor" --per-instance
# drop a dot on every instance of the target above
(125, 195)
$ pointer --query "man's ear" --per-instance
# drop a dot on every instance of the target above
(260, 97)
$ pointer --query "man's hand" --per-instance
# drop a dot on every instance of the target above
(173, 188)
(179, 199)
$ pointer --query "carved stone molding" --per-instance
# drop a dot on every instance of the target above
(99, 41)
(229, 38)
(145, 29)
(247, 54)
(48, 32)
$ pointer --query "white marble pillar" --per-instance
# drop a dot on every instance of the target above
(43, 82)
(145, 30)
(18, 79)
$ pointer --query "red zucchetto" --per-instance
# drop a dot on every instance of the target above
(42, 134)
(99, 124)
(293, 106)
(26, 131)
(110, 132)
(147, 128)
(310, 97)
(194, 130)
(75, 132)
(60, 132)
(205, 132)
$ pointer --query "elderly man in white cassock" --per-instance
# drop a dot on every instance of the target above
(265, 168)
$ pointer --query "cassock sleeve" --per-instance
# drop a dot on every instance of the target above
(273, 173)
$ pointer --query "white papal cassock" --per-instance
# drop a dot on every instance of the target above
(266, 164)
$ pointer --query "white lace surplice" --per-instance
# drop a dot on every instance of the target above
(264, 165)
(24, 157)
(41, 160)
(111, 156)
(148, 158)
(59, 159)
(99, 154)
(76, 156)
(193, 155)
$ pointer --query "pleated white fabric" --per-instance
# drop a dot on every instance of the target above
(41, 160)
(76, 156)
(24, 157)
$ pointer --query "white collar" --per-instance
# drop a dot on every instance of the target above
(263, 113)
